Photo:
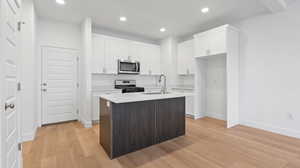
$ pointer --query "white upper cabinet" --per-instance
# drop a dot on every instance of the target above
(150, 59)
(117, 48)
(185, 59)
(107, 50)
(98, 58)
(154, 60)
(144, 59)
(134, 51)
(212, 42)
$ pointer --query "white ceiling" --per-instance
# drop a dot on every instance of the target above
(146, 17)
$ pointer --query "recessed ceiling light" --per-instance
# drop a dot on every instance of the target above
(163, 29)
(61, 2)
(123, 19)
(205, 10)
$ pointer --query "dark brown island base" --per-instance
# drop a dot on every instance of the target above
(128, 127)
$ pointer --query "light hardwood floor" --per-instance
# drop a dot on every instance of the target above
(207, 144)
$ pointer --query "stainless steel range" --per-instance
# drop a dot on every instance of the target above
(128, 86)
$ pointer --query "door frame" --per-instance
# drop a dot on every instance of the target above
(39, 80)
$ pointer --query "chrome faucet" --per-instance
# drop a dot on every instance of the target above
(164, 88)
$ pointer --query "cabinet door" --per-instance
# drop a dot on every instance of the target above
(170, 119)
(133, 126)
(146, 59)
(98, 56)
(182, 60)
(191, 56)
(154, 54)
(192, 60)
(186, 58)
(189, 103)
(151, 60)
(106, 126)
(212, 42)
(119, 48)
(135, 51)
(115, 49)
(202, 46)
(217, 40)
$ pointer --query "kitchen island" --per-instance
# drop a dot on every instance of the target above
(129, 122)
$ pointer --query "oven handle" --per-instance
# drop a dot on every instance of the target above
(119, 65)
(138, 67)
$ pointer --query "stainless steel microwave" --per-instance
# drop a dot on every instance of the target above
(128, 67)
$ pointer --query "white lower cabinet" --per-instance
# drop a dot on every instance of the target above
(189, 105)
(96, 104)
(189, 100)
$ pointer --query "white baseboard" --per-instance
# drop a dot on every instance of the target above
(274, 129)
(29, 136)
(196, 117)
(95, 121)
(87, 124)
(218, 116)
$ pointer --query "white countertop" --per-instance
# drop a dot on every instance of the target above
(136, 97)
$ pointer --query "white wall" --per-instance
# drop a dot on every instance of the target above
(54, 34)
(269, 75)
(59, 34)
(28, 62)
(85, 73)
(216, 87)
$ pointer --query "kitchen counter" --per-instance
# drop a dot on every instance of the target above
(137, 97)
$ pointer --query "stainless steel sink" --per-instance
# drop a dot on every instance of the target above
(156, 93)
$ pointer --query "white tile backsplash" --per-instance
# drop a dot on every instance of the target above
(187, 81)
(104, 81)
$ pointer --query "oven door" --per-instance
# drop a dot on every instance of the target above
(125, 67)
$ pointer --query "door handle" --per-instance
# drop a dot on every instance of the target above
(11, 106)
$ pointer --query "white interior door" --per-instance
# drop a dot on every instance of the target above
(10, 155)
(59, 85)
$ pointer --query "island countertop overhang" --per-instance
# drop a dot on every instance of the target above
(138, 97)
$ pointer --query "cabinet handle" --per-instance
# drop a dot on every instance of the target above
(207, 52)
(187, 71)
